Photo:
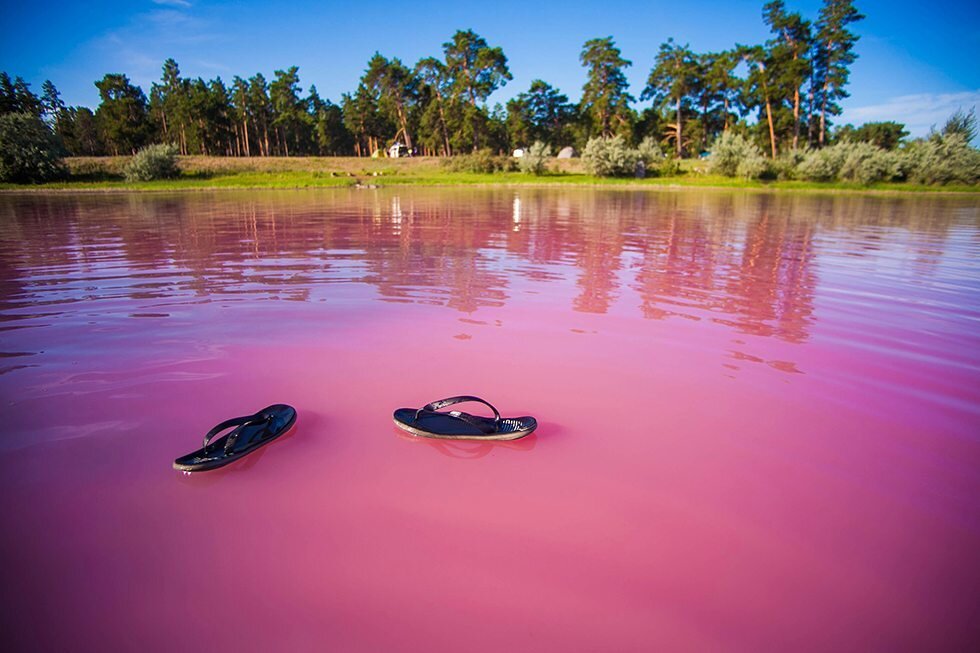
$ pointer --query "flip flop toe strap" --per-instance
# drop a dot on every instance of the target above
(465, 417)
(258, 418)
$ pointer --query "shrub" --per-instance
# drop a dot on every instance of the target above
(535, 159)
(823, 164)
(785, 165)
(649, 152)
(609, 157)
(670, 167)
(865, 163)
(481, 161)
(940, 160)
(734, 155)
(753, 166)
(153, 162)
(30, 153)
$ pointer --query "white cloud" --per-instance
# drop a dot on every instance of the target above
(919, 113)
(173, 3)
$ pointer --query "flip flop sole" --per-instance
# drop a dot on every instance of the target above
(215, 463)
(511, 435)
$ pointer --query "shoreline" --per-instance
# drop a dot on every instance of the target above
(672, 186)
(206, 173)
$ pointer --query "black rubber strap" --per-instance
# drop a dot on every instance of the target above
(233, 436)
(466, 417)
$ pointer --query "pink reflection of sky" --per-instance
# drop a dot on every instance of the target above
(758, 421)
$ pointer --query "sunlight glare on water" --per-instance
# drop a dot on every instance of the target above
(759, 419)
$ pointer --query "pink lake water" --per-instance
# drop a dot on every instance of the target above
(759, 421)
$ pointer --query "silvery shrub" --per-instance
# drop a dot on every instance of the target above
(153, 162)
(535, 159)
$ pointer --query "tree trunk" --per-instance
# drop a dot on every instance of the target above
(248, 149)
(404, 123)
(823, 115)
(765, 92)
(704, 125)
(679, 132)
(445, 131)
(796, 118)
(772, 131)
(796, 111)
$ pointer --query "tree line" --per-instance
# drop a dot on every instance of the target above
(784, 94)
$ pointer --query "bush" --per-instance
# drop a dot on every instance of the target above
(784, 166)
(649, 152)
(865, 163)
(535, 159)
(940, 160)
(734, 155)
(823, 164)
(153, 162)
(30, 153)
(610, 157)
(481, 161)
(754, 166)
(670, 167)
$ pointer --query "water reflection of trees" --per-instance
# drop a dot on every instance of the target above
(746, 261)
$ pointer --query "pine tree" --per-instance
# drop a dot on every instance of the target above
(671, 82)
(834, 54)
(605, 99)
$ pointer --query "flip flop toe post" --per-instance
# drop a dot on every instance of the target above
(248, 434)
(428, 422)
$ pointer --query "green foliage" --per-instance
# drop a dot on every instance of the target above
(605, 98)
(784, 167)
(733, 155)
(122, 116)
(670, 167)
(79, 132)
(886, 135)
(823, 164)
(30, 153)
(861, 163)
(754, 166)
(610, 157)
(153, 162)
(941, 160)
(535, 159)
(481, 161)
(672, 83)
(963, 123)
(649, 152)
(540, 114)
(16, 97)
(865, 163)
(833, 54)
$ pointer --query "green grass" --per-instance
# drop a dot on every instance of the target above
(202, 173)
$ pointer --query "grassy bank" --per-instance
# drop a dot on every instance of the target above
(198, 172)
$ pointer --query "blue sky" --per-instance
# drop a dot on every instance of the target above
(918, 61)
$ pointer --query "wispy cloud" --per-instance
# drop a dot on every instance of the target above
(140, 46)
(919, 113)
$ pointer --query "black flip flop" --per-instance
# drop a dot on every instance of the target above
(425, 422)
(251, 432)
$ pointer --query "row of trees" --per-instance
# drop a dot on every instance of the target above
(783, 94)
